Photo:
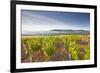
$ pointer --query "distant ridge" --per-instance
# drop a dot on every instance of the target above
(68, 30)
(57, 32)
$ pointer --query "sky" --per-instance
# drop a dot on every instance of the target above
(35, 20)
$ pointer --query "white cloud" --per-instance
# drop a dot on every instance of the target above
(31, 23)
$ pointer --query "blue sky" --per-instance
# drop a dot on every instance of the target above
(33, 20)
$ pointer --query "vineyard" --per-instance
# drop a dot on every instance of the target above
(55, 48)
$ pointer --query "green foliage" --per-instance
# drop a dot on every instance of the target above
(87, 56)
(73, 48)
(47, 44)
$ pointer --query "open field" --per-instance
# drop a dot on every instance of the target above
(55, 48)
